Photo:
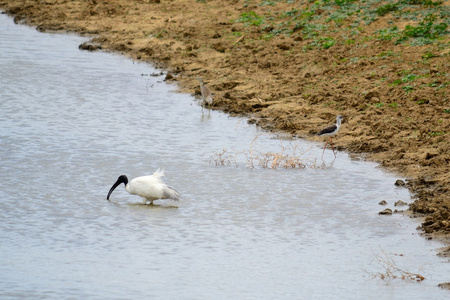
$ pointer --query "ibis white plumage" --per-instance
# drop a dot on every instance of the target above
(331, 131)
(150, 187)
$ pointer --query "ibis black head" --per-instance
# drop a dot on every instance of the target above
(122, 179)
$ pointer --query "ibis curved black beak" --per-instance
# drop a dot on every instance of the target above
(122, 179)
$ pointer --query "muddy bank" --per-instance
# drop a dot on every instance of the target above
(292, 66)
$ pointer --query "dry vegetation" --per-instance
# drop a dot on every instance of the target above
(289, 156)
(391, 271)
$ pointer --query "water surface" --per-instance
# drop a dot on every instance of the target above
(71, 122)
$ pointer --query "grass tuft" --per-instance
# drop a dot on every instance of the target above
(391, 271)
(289, 156)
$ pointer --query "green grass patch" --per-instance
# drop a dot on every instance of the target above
(437, 133)
(408, 88)
(344, 2)
(426, 28)
(250, 19)
(388, 34)
(422, 101)
(393, 104)
(421, 2)
(428, 55)
(324, 22)
(320, 43)
(385, 9)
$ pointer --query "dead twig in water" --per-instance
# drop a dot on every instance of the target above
(391, 271)
(288, 157)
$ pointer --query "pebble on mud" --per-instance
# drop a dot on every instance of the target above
(386, 211)
(169, 77)
(382, 202)
(399, 182)
(285, 46)
(400, 203)
(444, 285)
(89, 46)
(219, 47)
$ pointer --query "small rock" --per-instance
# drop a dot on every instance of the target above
(237, 27)
(382, 202)
(400, 203)
(444, 285)
(168, 77)
(372, 94)
(375, 100)
(219, 47)
(399, 182)
(268, 28)
(430, 154)
(386, 211)
(154, 74)
(284, 46)
(89, 46)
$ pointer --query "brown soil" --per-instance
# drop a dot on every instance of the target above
(283, 82)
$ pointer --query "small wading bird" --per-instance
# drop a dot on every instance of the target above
(150, 187)
(331, 131)
(207, 96)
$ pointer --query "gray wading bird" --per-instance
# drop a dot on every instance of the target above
(150, 187)
(207, 96)
(331, 131)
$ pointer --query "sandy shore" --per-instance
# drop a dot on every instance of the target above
(292, 66)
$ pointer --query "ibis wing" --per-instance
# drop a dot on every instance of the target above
(170, 193)
(158, 174)
(153, 187)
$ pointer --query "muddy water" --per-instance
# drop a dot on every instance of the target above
(72, 121)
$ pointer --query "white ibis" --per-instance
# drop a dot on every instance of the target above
(207, 96)
(331, 131)
(150, 187)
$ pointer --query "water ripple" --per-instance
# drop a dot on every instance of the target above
(72, 121)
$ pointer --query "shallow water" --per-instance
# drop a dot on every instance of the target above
(71, 122)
